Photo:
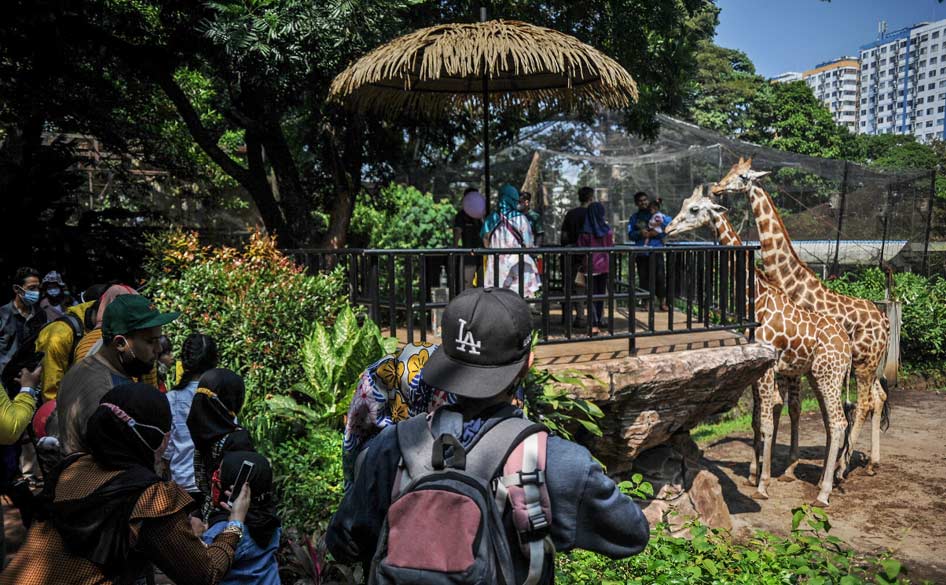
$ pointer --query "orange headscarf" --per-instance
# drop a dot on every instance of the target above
(116, 290)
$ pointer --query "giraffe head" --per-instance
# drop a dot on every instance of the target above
(696, 211)
(739, 178)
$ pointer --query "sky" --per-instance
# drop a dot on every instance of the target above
(795, 35)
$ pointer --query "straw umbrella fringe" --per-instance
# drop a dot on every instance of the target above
(437, 69)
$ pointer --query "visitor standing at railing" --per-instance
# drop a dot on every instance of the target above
(640, 233)
(598, 234)
(507, 227)
(571, 229)
(467, 225)
(535, 218)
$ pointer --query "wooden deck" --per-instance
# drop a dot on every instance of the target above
(582, 350)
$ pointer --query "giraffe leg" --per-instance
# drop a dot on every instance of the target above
(792, 387)
(878, 398)
(827, 386)
(864, 376)
(756, 437)
(771, 401)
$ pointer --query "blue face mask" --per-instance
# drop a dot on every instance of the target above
(31, 297)
(54, 292)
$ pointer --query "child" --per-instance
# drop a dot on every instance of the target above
(657, 219)
(254, 562)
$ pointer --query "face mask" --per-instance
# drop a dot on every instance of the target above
(30, 297)
(54, 293)
(162, 369)
(133, 366)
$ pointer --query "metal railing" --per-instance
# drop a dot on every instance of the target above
(708, 288)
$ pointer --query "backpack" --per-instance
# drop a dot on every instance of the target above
(445, 522)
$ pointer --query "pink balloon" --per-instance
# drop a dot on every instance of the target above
(474, 204)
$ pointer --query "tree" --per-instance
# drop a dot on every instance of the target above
(723, 91)
(235, 90)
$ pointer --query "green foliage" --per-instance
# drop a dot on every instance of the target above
(636, 487)
(923, 331)
(256, 304)
(399, 217)
(333, 359)
(723, 90)
(548, 400)
(808, 555)
(308, 471)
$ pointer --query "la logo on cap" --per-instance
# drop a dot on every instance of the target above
(465, 341)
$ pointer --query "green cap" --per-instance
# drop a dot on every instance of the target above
(128, 313)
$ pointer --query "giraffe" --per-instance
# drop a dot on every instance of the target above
(866, 325)
(807, 344)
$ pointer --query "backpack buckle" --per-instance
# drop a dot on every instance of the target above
(536, 477)
(538, 523)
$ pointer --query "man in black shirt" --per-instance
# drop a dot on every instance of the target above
(466, 234)
(575, 218)
(571, 229)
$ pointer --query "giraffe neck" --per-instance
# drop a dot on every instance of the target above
(727, 235)
(780, 262)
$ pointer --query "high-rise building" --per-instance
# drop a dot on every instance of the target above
(786, 77)
(835, 84)
(903, 82)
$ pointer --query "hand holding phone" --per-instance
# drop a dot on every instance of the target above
(242, 476)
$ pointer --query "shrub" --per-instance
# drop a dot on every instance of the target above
(308, 471)
(255, 302)
(923, 331)
(808, 555)
(400, 217)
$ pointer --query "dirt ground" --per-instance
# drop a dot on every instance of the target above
(902, 508)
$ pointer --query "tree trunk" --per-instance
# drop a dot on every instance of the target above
(346, 166)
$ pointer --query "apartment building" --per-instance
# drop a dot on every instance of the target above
(786, 77)
(835, 84)
(903, 83)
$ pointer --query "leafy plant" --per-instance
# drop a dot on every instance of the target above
(254, 301)
(333, 359)
(923, 331)
(808, 555)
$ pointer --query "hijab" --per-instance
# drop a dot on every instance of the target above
(130, 425)
(596, 222)
(116, 290)
(219, 398)
(508, 207)
(261, 519)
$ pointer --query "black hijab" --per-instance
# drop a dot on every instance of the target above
(219, 398)
(96, 527)
(261, 520)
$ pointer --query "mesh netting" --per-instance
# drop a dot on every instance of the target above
(835, 211)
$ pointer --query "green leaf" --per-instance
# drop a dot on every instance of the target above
(891, 567)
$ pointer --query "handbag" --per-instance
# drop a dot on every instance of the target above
(580, 280)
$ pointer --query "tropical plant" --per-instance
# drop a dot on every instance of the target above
(810, 554)
(333, 359)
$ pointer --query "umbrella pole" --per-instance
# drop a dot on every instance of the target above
(485, 120)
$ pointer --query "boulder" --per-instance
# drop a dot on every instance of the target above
(682, 489)
(647, 399)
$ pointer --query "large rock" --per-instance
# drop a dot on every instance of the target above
(682, 489)
(648, 398)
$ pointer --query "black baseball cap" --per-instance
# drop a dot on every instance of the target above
(128, 313)
(487, 338)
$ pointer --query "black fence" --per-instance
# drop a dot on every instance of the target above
(706, 288)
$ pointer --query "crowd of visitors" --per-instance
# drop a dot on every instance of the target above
(137, 452)
(130, 464)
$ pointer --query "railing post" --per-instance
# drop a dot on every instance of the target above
(752, 294)
(671, 274)
(546, 289)
(612, 270)
(723, 285)
(632, 303)
(392, 294)
(568, 282)
(374, 287)
(652, 287)
(590, 312)
(424, 317)
(409, 290)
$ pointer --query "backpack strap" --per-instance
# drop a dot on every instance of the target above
(522, 447)
(78, 330)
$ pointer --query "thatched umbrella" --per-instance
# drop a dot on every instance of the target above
(434, 71)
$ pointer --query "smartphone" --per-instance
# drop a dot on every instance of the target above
(242, 476)
(36, 360)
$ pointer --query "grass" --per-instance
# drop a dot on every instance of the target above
(707, 433)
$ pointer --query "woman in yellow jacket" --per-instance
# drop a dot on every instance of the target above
(16, 414)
